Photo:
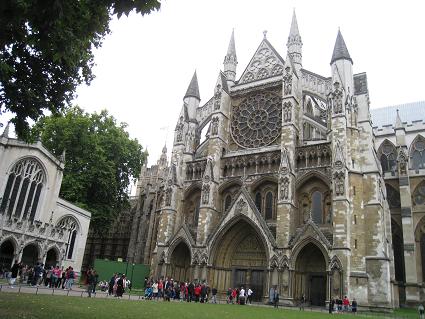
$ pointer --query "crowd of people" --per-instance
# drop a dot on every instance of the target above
(338, 305)
(40, 275)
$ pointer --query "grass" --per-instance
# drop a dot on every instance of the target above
(44, 306)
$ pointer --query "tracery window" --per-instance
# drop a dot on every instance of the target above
(256, 121)
(23, 189)
(388, 157)
(269, 206)
(70, 224)
(418, 153)
(419, 194)
(317, 207)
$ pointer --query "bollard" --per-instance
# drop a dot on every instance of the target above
(36, 292)
(53, 291)
(67, 294)
(82, 293)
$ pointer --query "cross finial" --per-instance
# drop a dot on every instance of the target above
(265, 34)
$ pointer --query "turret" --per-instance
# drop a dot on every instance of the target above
(230, 61)
(342, 66)
(163, 159)
(192, 97)
(295, 44)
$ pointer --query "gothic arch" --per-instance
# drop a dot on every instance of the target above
(417, 153)
(393, 196)
(303, 243)
(263, 179)
(217, 237)
(420, 229)
(335, 264)
(300, 182)
(13, 240)
(65, 220)
(387, 155)
(25, 189)
(177, 241)
(418, 194)
(192, 188)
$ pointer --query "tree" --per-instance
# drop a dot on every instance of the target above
(46, 51)
(100, 160)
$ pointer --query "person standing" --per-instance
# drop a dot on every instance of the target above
(302, 302)
(345, 303)
(242, 296)
(249, 296)
(14, 275)
(121, 286)
(111, 284)
(421, 311)
(214, 295)
(276, 298)
(354, 306)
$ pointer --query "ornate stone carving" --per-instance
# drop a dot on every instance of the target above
(205, 194)
(335, 99)
(168, 194)
(287, 112)
(240, 206)
(214, 125)
(339, 183)
(217, 97)
(257, 120)
(284, 188)
(179, 130)
(287, 81)
(189, 142)
(402, 162)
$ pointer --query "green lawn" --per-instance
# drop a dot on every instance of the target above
(27, 306)
(45, 306)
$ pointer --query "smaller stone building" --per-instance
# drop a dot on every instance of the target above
(36, 225)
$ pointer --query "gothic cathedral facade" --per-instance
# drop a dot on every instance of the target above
(287, 189)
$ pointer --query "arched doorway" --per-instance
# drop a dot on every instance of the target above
(240, 260)
(310, 275)
(52, 258)
(30, 255)
(180, 263)
(7, 251)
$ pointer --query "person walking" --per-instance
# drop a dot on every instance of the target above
(276, 298)
(14, 275)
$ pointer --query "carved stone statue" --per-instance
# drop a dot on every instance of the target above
(214, 126)
(287, 111)
(217, 97)
(336, 99)
(168, 196)
(205, 194)
(287, 81)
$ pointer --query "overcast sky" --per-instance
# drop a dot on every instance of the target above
(145, 65)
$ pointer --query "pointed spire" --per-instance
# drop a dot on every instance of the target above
(340, 49)
(6, 130)
(230, 60)
(193, 89)
(398, 122)
(164, 149)
(294, 43)
(294, 26)
(231, 50)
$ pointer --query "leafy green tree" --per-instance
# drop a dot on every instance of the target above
(46, 51)
(100, 160)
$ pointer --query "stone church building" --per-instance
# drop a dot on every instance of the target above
(36, 225)
(294, 186)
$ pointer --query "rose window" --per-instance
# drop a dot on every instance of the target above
(257, 120)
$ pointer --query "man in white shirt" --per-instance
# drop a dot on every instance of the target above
(249, 294)
(242, 296)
